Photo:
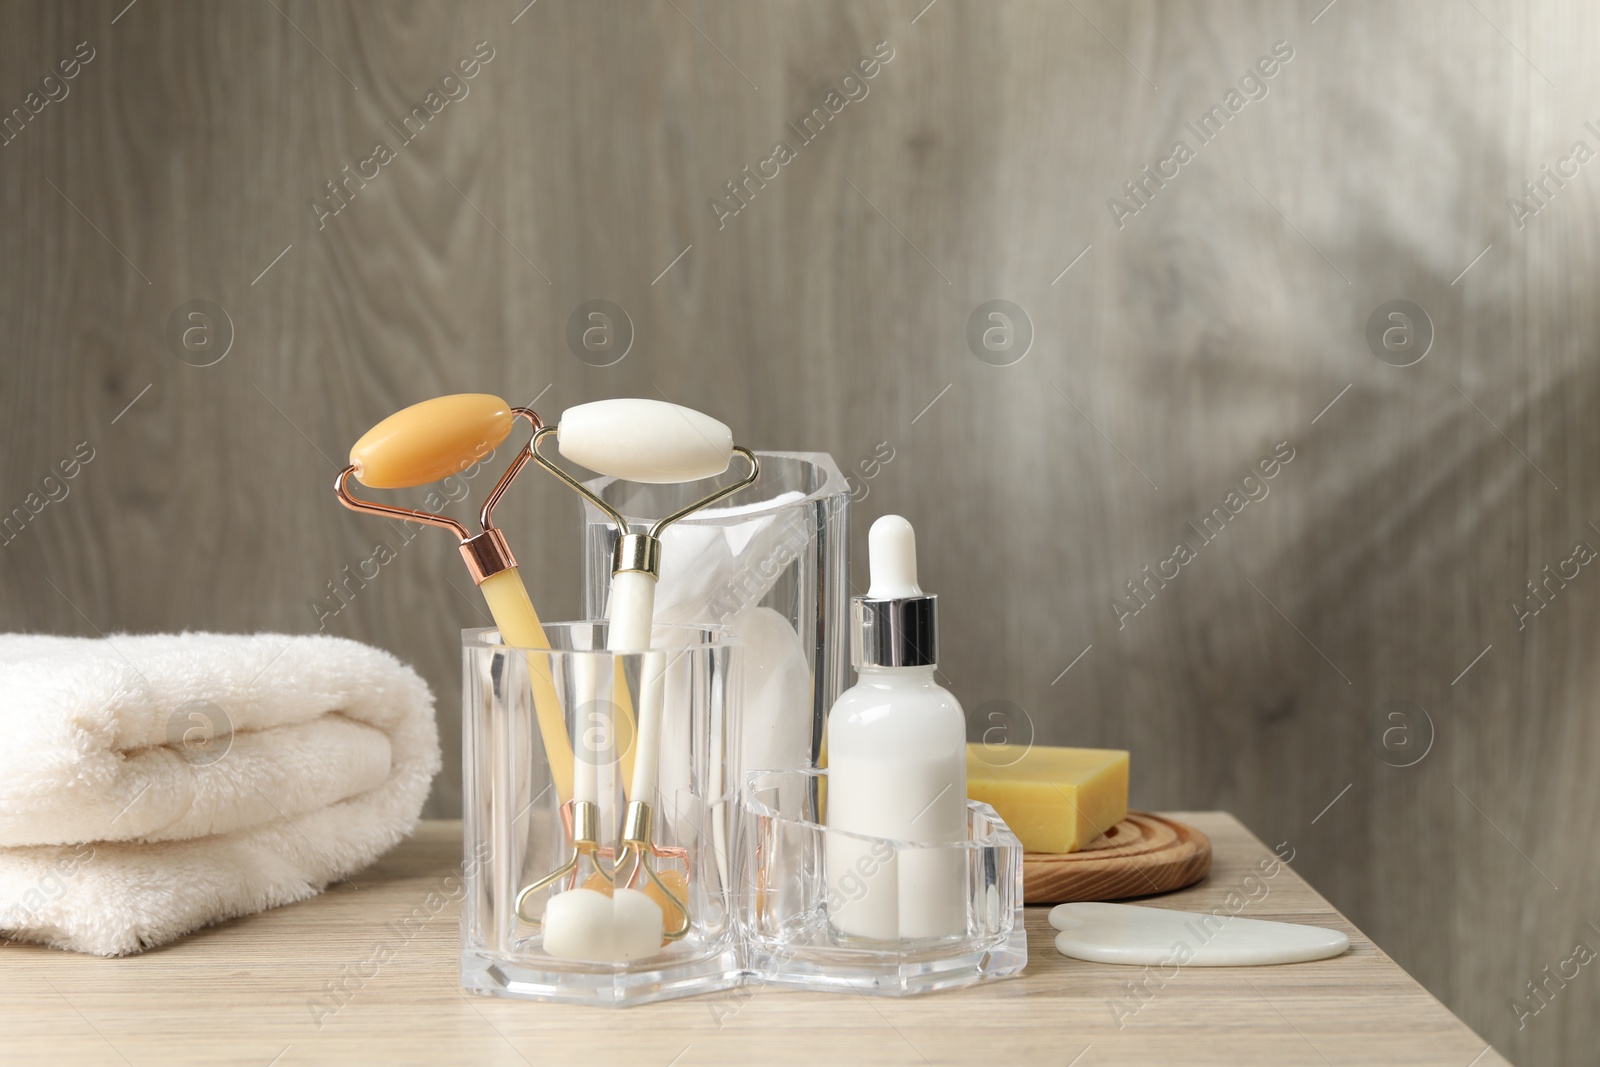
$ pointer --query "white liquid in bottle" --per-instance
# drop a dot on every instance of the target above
(896, 766)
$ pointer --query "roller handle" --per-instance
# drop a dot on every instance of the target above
(630, 612)
(519, 626)
(587, 744)
(652, 695)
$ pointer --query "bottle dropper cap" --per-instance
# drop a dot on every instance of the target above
(896, 624)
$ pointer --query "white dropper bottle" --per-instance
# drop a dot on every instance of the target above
(897, 762)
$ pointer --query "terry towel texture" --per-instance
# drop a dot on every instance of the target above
(152, 785)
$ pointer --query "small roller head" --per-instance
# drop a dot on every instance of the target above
(590, 926)
(431, 440)
(639, 925)
(645, 441)
(578, 925)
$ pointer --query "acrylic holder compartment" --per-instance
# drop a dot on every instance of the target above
(773, 568)
(513, 813)
(787, 895)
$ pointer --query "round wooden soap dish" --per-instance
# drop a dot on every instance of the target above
(1141, 855)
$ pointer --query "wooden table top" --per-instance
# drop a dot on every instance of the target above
(251, 992)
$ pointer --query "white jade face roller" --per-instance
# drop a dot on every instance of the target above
(655, 442)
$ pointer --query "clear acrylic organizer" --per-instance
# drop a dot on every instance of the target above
(513, 807)
(786, 895)
(772, 567)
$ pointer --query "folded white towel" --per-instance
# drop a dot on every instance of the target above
(151, 785)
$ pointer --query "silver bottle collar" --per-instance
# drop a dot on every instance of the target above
(897, 632)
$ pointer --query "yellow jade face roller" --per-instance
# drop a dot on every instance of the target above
(643, 441)
(433, 440)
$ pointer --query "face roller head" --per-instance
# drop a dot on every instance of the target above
(431, 440)
(645, 441)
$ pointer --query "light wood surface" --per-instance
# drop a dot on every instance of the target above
(248, 992)
(1139, 856)
(831, 314)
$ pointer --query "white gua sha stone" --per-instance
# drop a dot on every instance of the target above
(1150, 937)
(587, 926)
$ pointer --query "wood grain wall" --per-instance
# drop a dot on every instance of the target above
(1174, 348)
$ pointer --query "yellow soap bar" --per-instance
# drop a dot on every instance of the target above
(1054, 799)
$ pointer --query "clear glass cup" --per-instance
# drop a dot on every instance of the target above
(773, 567)
(516, 825)
(786, 896)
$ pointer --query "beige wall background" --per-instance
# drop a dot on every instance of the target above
(1222, 321)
